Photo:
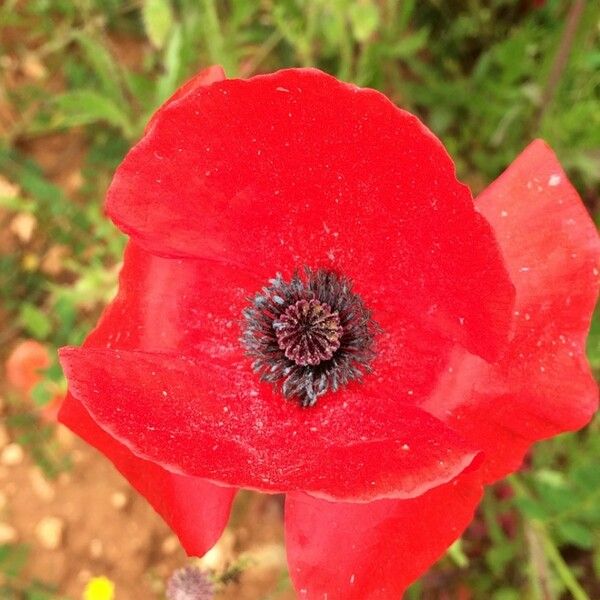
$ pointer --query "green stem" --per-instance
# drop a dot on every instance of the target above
(261, 54)
(561, 567)
(490, 512)
(307, 47)
(346, 50)
(215, 40)
(550, 550)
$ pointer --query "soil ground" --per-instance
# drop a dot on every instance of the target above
(89, 522)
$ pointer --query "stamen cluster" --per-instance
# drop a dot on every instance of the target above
(310, 335)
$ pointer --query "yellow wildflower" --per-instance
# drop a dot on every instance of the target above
(99, 588)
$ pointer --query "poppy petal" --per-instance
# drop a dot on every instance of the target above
(212, 419)
(543, 385)
(298, 169)
(156, 309)
(190, 305)
(175, 305)
(205, 77)
(342, 551)
(195, 509)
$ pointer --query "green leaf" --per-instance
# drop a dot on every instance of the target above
(506, 594)
(409, 45)
(105, 67)
(498, 558)
(35, 321)
(531, 508)
(12, 559)
(16, 204)
(364, 19)
(157, 16)
(457, 554)
(593, 343)
(576, 534)
(172, 75)
(40, 394)
(83, 107)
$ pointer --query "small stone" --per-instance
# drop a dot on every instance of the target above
(12, 455)
(50, 532)
(77, 456)
(169, 545)
(119, 500)
(84, 575)
(8, 189)
(64, 479)
(96, 548)
(8, 534)
(23, 226)
(33, 67)
(220, 555)
(65, 437)
(40, 485)
(268, 556)
(54, 260)
(74, 182)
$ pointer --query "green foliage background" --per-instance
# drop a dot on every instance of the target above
(482, 74)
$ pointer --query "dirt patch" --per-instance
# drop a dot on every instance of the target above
(89, 522)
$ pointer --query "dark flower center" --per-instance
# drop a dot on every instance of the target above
(310, 335)
(308, 332)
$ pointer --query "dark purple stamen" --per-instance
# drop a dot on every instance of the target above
(310, 335)
(308, 332)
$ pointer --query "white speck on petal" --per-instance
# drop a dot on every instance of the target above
(504, 213)
(554, 180)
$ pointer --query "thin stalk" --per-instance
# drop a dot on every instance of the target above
(561, 58)
(346, 49)
(561, 567)
(215, 40)
(261, 54)
(538, 527)
(539, 571)
(490, 512)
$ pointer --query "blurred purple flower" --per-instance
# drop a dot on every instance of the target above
(189, 583)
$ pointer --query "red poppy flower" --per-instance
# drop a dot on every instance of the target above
(311, 303)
